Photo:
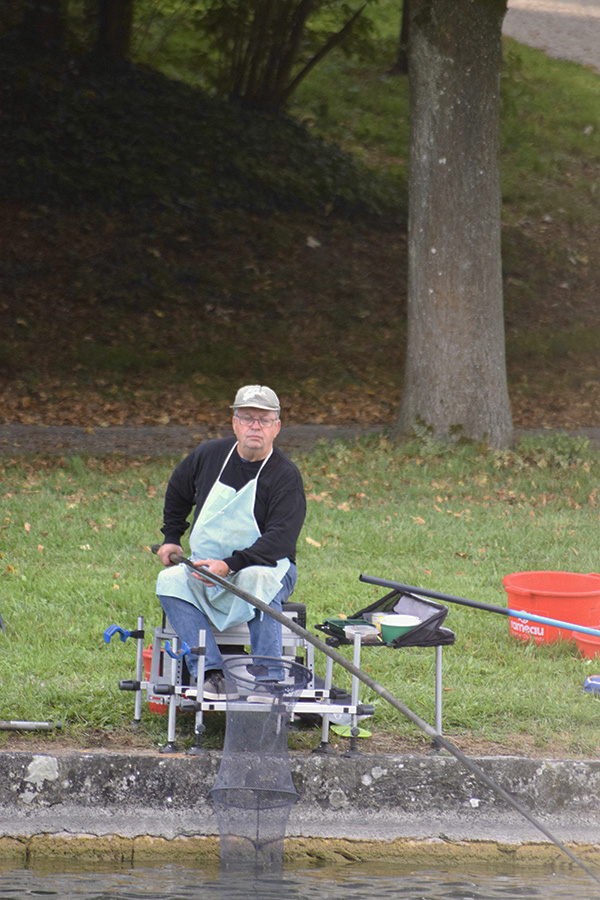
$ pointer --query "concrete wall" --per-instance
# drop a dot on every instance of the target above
(372, 797)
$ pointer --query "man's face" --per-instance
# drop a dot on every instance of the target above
(255, 429)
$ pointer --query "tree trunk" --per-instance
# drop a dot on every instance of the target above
(455, 381)
(400, 67)
(115, 23)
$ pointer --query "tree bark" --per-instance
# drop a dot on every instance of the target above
(455, 379)
(400, 67)
(115, 23)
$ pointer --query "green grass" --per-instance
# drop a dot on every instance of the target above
(363, 109)
(550, 143)
(75, 558)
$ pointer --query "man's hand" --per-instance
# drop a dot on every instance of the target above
(217, 566)
(164, 553)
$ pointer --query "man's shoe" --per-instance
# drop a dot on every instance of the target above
(268, 694)
(214, 686)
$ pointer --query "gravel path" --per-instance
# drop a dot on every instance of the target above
(566, 29)
(153, 441)
(173, 440)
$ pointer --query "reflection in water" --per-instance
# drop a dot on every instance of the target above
(376, 881)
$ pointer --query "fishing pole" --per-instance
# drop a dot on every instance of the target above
(476, 604)
(377, 688)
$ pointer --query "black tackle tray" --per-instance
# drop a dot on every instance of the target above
(428, 633)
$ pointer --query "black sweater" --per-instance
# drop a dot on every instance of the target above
(279, 509)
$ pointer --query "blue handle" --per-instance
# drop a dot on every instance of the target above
(544, 620)
(116, 629)
(184, 650)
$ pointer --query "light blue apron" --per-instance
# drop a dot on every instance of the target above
(225, 523)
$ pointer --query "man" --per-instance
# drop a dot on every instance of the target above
(249, 509)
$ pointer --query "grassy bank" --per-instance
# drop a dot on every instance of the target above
(75, 559)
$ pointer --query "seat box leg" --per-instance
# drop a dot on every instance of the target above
(354, 729)
(325, 747)
(438, 697)
(199, 727)
(174, 669)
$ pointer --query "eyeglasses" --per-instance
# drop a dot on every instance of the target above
(262, 421)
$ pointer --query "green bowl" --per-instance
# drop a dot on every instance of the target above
(394, 626)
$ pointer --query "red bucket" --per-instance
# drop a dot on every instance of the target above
(588, 644)
(567, 596)
(157, 704)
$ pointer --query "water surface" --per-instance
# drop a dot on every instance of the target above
(375, 881)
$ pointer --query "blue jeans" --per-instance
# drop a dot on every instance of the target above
(265, 633)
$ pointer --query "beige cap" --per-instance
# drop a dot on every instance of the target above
(257, 395)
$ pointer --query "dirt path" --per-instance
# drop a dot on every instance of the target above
(565, 29)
